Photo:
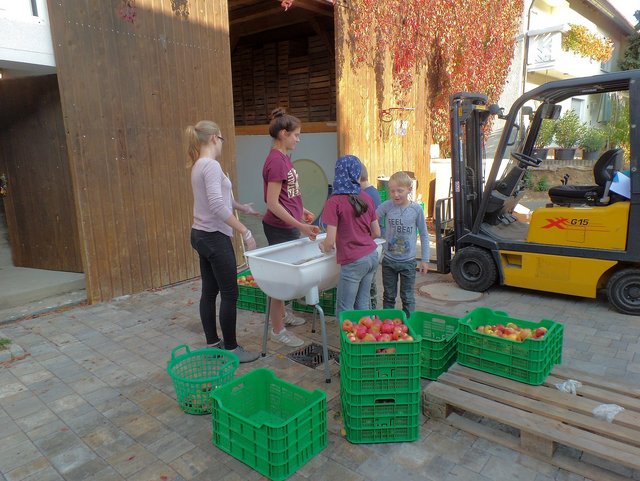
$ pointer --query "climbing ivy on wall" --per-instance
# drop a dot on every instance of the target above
(465, 45)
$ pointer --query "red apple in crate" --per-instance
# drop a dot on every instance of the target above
(347, 325)
(387, 327)
(368, 337)
(397, 321)
(361, 331)
(539, 332)
(366, 322)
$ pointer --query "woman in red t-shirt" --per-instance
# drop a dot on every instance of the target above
(286, 218)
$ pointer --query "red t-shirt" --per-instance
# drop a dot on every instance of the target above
(353, 236)
(278, 168)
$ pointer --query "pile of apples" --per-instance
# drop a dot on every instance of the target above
(512, 332)
(247, 281)
(373, 329)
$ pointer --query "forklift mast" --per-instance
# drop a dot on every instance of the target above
(469, 116)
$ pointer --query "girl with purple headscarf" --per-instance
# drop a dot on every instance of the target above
(352, 226)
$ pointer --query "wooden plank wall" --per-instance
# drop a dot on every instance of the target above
(298, 74)
(39, 205)
(363, 128)
(128, 91)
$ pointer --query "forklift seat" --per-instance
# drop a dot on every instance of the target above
(604, 170)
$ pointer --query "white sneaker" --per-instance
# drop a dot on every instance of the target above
(291, 320)
(287, 338)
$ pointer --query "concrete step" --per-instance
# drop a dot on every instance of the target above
(20, 286)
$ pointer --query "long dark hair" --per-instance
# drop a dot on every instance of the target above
(359, 204)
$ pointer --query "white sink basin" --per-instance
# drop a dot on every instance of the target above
(295, 269)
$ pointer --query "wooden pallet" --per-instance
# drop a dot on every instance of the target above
(545, 418)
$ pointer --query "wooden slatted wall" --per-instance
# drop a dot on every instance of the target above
(366, 131)
(39, 205)
(297, 73)
(128, 91)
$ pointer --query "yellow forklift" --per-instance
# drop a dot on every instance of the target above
(584, 240)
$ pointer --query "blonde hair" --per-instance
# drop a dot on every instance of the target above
(402, 179)
(364, 175)
(198, 135)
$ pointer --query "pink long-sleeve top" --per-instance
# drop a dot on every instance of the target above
(212, 200)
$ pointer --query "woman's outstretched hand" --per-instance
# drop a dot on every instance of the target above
(249, 210)
(311, 231)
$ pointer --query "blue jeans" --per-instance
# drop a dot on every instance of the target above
(406, 271)
(218, 271)
(354, 284)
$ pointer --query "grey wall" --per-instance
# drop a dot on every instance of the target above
(252, 150)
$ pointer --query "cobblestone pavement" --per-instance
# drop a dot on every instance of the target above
(87, 395)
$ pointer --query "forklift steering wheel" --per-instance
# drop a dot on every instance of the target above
(526, 159)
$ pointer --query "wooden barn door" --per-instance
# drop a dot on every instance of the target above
(39, 204)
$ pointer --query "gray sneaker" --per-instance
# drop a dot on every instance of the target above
(291, 320)
(287, 338)
(245, 356)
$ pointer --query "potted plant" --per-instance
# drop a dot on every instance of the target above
(544, 139)
(567, 133)
(592, 142)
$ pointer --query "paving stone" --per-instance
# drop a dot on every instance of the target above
(498, 468)
(46, 429)
(37, 419)
(170, 447)
(131, 461)
(108, 440)
(48, 474)
(28, 469)
(156, 470)
(22, 404)
(192, 463)
(16, 454)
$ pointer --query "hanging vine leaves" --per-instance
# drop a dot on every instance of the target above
(464, 45)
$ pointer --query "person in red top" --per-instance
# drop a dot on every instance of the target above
(352, 226)
(286, 218)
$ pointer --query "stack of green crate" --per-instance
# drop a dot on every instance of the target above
(439, 341)
(250, 298)
(269, 424)
(380, 384)
(327, 303)
(529, 361)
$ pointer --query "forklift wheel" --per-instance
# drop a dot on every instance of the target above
(623, 291)
(473, 269)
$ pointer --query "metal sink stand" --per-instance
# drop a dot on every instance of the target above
(323, 329)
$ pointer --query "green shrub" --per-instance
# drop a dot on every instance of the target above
(568, 130)
(593, 139)
(542, 185)
(545, 134)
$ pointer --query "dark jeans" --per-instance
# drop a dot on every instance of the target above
(278, 235)
(406, 271)
(218, 271)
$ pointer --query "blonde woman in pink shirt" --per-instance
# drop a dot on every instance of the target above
(211, 233)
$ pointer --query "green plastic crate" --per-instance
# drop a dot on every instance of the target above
(381, 418)
(250, 298)
(196, 373)
(327, 303)
(381, 415)
(439, 341)
(529, 361)
(378, 379)
(365, 355)
(269, 424)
